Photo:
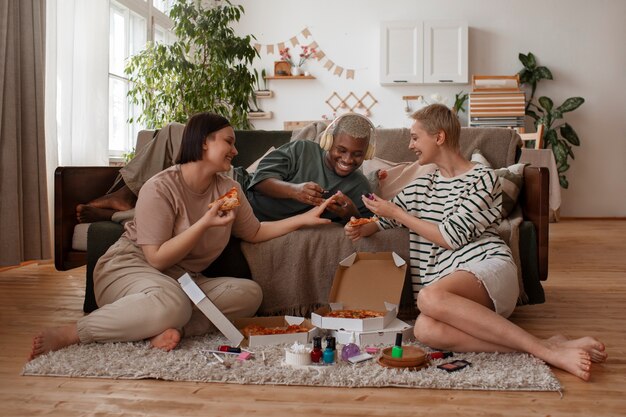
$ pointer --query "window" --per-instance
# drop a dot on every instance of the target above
(132, 23)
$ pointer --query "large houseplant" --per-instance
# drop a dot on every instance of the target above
(560, 136)
(206, 69)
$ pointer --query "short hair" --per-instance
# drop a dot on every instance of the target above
(198, 128)
(354, 125)
(437, 117)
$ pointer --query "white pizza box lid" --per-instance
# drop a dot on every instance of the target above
(231, 330)
(364, 281)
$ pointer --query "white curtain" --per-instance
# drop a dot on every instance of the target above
(76, 93)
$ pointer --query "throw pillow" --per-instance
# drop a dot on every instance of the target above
(511, 180)
(399, 175)
(253, 166)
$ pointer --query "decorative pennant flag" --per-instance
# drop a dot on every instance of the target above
(319, 54)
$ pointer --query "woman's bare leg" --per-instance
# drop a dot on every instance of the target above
(119, 200)
(459, 302)
(102, 208)
(54, 338)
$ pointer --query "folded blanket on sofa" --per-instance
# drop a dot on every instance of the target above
(299, 281)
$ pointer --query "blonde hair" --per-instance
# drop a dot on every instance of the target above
(437, 117)
(354, 125)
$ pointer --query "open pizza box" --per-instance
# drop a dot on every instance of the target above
(364, 281)
(386, 336)
(275, 339)
(232, 330)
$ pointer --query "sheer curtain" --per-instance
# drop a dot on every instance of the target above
(24, 227)
(76, 116)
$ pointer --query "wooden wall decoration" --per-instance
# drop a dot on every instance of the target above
(352, 103)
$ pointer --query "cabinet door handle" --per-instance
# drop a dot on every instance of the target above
(445, 81)
(400, 81)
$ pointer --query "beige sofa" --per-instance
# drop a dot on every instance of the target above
(295, 271)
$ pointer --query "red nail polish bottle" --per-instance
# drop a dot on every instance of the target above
(316, 353)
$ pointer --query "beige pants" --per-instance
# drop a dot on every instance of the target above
(138, 302)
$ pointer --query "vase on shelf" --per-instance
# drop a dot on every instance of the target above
(296, 71)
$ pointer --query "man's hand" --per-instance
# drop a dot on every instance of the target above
(308, 193)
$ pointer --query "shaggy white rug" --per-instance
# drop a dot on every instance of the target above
(190, 361)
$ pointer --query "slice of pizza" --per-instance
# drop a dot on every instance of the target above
(231, 200)
(364, 220)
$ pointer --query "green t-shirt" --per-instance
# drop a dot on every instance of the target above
(297, 162)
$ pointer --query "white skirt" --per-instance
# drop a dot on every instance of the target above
(499, 277)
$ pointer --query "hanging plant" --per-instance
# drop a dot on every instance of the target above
(559, 136)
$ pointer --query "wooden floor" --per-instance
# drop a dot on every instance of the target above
(585, 292)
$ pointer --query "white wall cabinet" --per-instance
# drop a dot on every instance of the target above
(424, 52)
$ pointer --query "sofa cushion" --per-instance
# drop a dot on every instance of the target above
(511, 180)
(399, 175)
(393, 145)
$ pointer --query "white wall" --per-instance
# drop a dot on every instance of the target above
(582, 43)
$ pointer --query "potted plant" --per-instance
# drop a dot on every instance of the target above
(261, 91)
(206, 69)
(305, 54)
(559, 136)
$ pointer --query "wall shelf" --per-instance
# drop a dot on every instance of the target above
(260, 115)
(264, 94)
(290, 77)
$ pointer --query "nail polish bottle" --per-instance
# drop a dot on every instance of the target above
(329, 352)
(316, 353)
(350, 350)
(396, 351)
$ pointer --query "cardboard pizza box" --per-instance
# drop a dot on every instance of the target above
(275, 339)
(364, 281)
(232, 330)
(386, 336)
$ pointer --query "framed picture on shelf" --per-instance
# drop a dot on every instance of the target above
(282, 68)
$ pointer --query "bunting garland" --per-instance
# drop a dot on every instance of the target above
(320, 55)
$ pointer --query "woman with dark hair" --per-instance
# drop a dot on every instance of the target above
(173, 233)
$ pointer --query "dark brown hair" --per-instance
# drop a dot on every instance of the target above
(198, 128)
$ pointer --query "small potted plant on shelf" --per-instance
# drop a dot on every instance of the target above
(261, 92)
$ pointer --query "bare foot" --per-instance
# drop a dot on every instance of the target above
(167, 340)
(88, 214)
(53, 338)
(573, 360)
(592, 346)
(120, 200)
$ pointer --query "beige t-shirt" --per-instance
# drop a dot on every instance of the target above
(166, 207)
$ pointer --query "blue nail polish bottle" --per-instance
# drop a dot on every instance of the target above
(329, 352)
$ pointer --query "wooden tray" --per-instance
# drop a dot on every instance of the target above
(412, 356)
(382, 362)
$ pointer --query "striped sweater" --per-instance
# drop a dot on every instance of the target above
(467, 210)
